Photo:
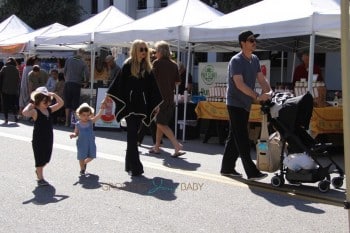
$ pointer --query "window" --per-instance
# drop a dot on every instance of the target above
(200, 57)
(163, 3)
(142, 4)
(94, 7)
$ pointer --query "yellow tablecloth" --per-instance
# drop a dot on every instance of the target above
(324, 120)
(327, 120)
(218, 111)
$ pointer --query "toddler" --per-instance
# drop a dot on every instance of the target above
(86, 145)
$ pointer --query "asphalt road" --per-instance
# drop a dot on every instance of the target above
(174, 195)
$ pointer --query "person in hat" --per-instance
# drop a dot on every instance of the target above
(40, 110)
(113, 68)
(243, 71)
(86, 146)
(302, 70)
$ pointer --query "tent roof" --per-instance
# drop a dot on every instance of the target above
(31, 35)
(84, 32)
(13, 26)
(169, 23)
(273, 19)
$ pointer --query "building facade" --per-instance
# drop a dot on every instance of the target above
(134, 8)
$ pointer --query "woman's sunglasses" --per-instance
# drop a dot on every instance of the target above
(143, 50)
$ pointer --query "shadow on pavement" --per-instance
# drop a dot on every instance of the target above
(176, 163)
(9, 125)
(180, 163)
(306, 193)
(89, 181)
(279, 200)
(45, 195)
(158, 187)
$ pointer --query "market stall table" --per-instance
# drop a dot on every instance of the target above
(325, 120)
(216, 113)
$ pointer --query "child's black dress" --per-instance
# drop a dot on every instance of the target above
(42, 138)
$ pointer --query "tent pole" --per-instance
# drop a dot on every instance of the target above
(186, 92)
(311, 62)
(177, 90)
(92, 70)
(282, 65)
(293, 67)
(192, 62)
(345, 67)
(296, 45)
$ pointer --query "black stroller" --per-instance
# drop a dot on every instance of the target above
(292, 123)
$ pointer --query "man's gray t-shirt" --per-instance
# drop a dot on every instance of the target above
(239, 65)
(76, 70)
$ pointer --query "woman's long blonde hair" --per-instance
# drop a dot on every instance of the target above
(135, 64)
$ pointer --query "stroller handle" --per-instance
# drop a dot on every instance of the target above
(266, 105)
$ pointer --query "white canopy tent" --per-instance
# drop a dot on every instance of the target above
(25, 43)
(282, 25)
(171, 23)
(274, 19)
(83, 33)
(11, 27)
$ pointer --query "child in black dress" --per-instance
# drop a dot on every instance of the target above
(40, 111)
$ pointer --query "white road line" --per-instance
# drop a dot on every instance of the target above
(196, 174)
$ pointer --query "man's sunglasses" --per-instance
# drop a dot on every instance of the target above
(252, 40)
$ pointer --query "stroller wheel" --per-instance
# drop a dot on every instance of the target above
(337, 182)
(323, 186)
(277, 181)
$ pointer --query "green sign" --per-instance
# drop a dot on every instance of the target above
(209, 75)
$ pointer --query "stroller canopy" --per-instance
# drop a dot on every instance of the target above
(296, 111)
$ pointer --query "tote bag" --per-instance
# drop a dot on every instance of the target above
(268, 149)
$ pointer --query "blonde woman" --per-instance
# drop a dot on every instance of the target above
(137, 99)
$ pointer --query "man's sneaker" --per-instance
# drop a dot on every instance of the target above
(231, 174)
(43, 182)
(260, 176)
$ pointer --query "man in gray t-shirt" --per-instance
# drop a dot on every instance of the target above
(76, 73)
(243, 71)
